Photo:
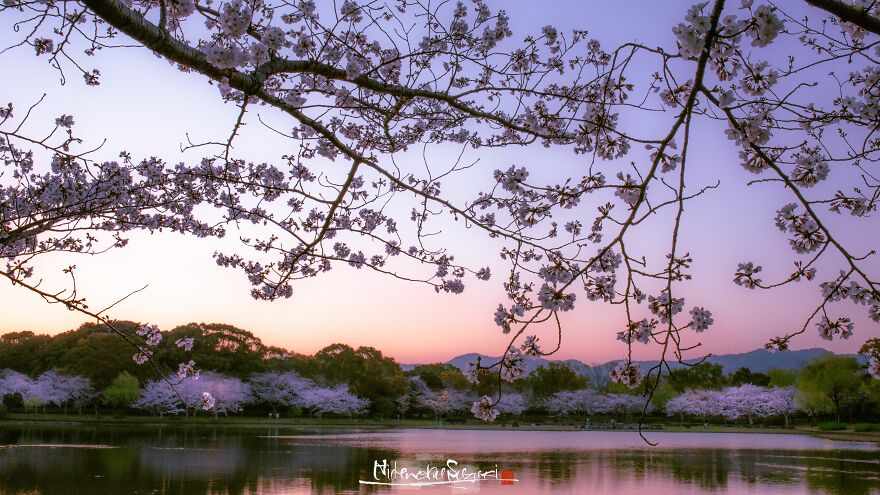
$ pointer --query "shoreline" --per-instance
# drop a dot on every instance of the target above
(254, 422)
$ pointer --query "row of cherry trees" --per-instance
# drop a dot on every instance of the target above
(734, 403)
(50, 388)
(451, 400)
(589, 402)
(208, 391)
(230, 394)
(289, 390)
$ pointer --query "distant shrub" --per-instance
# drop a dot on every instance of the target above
(863, 427)
(13, 401)
(832, 426)
(2, 412)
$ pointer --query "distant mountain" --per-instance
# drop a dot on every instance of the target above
(762, 360)
(759, 360)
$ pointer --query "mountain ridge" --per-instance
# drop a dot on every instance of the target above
(758, 360)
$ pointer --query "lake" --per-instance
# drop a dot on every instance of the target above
(96, 459)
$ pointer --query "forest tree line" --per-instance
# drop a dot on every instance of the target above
(91, 368)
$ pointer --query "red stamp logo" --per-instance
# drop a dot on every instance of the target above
(507, 478)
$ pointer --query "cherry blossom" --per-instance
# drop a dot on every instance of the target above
(626, 373)
(483, 409)
(208, 401)
(334, 400)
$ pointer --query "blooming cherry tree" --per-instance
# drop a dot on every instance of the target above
(280, 389)
(574, 402)
(624, 404)
(13, 382)
(700, 403)
(733, 403)
(744, 401)
(210, 392)
(513, 403)
(334, 400)
(158, 397)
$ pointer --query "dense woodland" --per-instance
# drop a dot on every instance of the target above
(89, 369)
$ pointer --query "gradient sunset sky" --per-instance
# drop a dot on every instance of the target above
(146, 107)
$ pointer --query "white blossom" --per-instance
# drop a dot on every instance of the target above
(482, 409)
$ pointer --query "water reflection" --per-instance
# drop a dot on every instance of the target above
(59, 459)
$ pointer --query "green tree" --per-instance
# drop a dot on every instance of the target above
(744, 376)
(662, 394)
(217, 347)
(438, 376)
(830, 383)
(454, 378)
(33, 403)
(367, 372)
(13, 400)
(124, 389)
(382, 381)
(338, 363)
(303, 364)
(92, 351)
(700, 376)
(869, 393)
(556, 377)
(782, 378)
(23, 352)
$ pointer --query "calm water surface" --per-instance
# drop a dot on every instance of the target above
(58, 459)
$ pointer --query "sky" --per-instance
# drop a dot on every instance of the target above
(146, 107)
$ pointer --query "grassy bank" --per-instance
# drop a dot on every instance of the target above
(237, 421)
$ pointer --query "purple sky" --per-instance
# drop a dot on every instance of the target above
(412, 323)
